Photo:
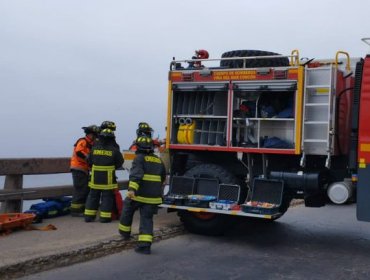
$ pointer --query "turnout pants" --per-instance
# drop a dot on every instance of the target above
(106, 205)
(80, 191)
(146, 220)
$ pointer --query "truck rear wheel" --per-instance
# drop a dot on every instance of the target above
(208, 223)
(205, 223)
(252, 63)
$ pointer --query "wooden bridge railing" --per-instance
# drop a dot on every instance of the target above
(13, 194)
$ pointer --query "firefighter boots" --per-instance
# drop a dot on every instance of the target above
(143, 250)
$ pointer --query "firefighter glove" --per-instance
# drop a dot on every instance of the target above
(131, 194)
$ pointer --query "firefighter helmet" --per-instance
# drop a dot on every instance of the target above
(108, 124)
(94, 129)
(107, 133)
(144, 143)
(144, 129)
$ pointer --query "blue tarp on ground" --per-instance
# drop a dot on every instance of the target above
(51, 207)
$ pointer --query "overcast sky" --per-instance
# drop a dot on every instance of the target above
(67, 64)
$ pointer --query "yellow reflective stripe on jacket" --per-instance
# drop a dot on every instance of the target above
(77, 205)
(145, 238)
(133, 185)
(148, 200)
(103, 168)
(109, 169)
(105, 214)
(52, 212)
(103, 186)
(90, 212)
(124, 228)
(152, 178)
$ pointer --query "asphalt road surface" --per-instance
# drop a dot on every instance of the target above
(306, 243)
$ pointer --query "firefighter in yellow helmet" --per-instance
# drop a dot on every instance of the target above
(80, 169)
(104, 159)
(145, 190)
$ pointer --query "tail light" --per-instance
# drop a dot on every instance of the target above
(280, 74)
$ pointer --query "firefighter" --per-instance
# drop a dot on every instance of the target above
(145, 189)
(104, 159)
(112, 126)
(108, 124)
(199, 54)
(143, 129)
(80, 169)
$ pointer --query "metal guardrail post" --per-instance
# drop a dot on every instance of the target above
(12, 182)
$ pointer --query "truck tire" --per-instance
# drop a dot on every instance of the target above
(208, 223)
(252, 63)
(205, 223)
(210, 170)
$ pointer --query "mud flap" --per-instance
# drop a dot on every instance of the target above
(363, 194)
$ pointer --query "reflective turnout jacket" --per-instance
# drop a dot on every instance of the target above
(80, 152)
(147, 175)
(104, 159)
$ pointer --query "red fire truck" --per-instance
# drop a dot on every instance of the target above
(251, 131)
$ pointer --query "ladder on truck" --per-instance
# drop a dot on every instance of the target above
(318, 112)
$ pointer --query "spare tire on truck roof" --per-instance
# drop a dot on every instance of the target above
(255, 62)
